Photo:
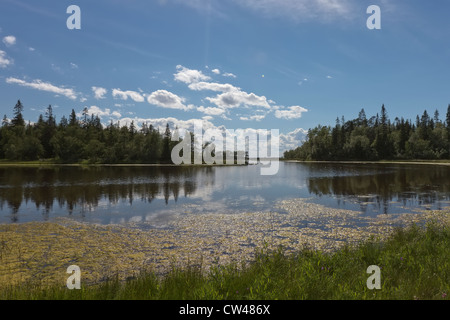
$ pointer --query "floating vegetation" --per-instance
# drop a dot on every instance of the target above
(42, 251)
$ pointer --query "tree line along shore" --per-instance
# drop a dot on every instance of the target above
(84, 139)
(77, 139)
(377, 138)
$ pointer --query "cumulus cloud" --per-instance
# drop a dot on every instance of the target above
(44, 86)
(96, 111)
(166, 99)
(236, 98)
(212, 86)
(207, 118)
(9, 41)
(4, 60)
(124, 95)
(256, 117)
(212, 111)
(231, 96)
(188, 76)
(293, 112)
(292, 139)
(99, 92)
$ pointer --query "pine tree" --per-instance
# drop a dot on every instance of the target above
(447, 118)
(166, 151)
(362, 119)
(18, 117)
(73, 121)
(5, 121)
(85, 119)
(447, 121)
(48, 131)
(50, 119)
(436, 117)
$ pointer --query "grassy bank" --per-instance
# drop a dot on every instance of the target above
(414, 263)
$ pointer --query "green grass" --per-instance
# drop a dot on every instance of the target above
(414, 262)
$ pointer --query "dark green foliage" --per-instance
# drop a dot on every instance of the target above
(18, 118)
(74, 140)
(378, 138)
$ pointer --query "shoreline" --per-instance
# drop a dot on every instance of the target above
(55, 164)
(413, 162)
(43, 250)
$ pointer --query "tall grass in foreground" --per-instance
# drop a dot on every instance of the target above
(414, 262)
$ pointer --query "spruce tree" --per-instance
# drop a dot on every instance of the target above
(447, 120)
(166, 151)
(18, 117)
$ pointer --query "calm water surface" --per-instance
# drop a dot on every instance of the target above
(157, 194)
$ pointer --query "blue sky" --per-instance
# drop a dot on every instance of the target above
(263, 64)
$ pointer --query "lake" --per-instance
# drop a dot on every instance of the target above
(157, 194)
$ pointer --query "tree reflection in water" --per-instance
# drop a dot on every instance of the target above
(84, 187)
(125, 192)
(381, 185)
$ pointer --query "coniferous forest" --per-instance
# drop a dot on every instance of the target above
(378, 138)
(81, 139)
(76, 139)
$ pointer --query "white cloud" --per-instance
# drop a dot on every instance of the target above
(302, 10)
(292, 139)
(236, 98)
(124, 95)
(116, 114)
(166, 99)
(4, 60)
(231, 96)
(229, 74)
(44, 86)
(31, 49)
(293, 112)
(73, 65)
(329, 77)
(189, 75)
(255, 117)
(99, 92)
(9, 41)
(207, 118)
(96, 111)
(212, 111)
(212, 86)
